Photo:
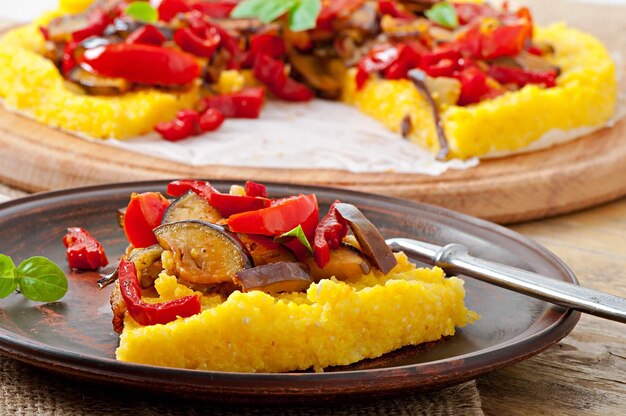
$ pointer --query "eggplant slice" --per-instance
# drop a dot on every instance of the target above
(346, 263)
(98, 85)
(203, 253)
(190, 206)
(275, 278)
(369, 238)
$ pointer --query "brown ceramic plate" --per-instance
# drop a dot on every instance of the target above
(74, 337)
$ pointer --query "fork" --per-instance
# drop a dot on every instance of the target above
(455, 258)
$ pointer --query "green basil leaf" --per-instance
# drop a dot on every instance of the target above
(264, 10)
(142, 11)
(304, 15)
(41, 280)
(443, 14)
(8, 278)
(298, 233)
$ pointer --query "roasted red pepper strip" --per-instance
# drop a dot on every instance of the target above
(186, 124)
(146, 35)
(284, 216)
(408, 58)
(229, 205)
(393, 9)
(521, 77)
(84, 252)
(68, 61)
(143, 64)
(143, 214)
(211, 120)
(181, 187)
(264, 44)
(328, 235)
(152, 313)
(246, 103)
(202, 42)
(98, 21)
(271, 72)
(255, 189)
(217, 9)
(168, 9)
(375, 61)
(474, 86)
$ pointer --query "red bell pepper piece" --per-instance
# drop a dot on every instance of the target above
(229, 205)
(408, 58)
(186, 124)
(255, 189)
(376, 61)
(202, 42)
(216, 9)
(468, 12)
(328, 235)
(44, 32)
(146, 35)
(143, 64)
(271, 72)
(97, 22)
(474, 86)
(521, 77)
(264, 44)
(440, 62)
(333, 9)
(181, 187)
(280, 217)
(84, 252)
(68, 62)
(211, 120)
(393, 9)
(143, 214)
(506, 40)
(246, 103)
(168, 9)
(152, 313)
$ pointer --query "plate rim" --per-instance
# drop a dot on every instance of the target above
(89, 366)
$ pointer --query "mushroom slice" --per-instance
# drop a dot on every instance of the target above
(202, 252)
(369, 238)
(275, 278)
(190, 206)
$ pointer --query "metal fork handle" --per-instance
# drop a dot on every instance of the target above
(454, 258)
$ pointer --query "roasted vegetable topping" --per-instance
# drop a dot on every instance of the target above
(152, 313)
(275, 278)
(143, 214)
(202, 252)
(190, 206)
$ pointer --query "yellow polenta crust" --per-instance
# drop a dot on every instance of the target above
(31, 84)
(333, 323)
(585, 95)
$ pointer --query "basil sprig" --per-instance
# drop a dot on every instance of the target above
(142, 11)
(444, 14)
(302, 13)
(37, 278)
(298, 233)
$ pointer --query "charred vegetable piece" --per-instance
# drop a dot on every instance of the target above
(191, 207)
(202, 252)
(152, 313)
(147, 262)
(83, 251)
(345, 263)
(265, 251)
(369, 238)
(98, 85)
(143, 214)
(275, 278)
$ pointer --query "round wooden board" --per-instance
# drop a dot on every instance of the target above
(580, 174)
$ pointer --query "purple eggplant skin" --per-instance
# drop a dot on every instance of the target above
(371, 241)
(190, 206)
(203, 253)
(275, 278)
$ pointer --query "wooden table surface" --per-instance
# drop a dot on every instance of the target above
(584, 374)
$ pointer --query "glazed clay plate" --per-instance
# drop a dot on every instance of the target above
(74, 336)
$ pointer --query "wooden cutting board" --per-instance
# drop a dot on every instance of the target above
(580, 174)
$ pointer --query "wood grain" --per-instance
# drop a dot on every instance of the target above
(585, 374)
(580, 174)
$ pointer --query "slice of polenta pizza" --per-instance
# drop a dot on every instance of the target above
(461, 79)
